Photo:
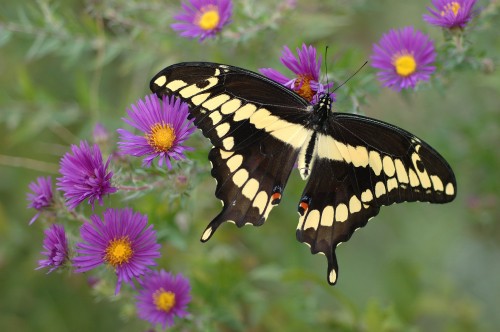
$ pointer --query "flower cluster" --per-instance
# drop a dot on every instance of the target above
(406, 56)
(122, 238)
(403, 57)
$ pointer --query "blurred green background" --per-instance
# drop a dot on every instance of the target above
(67, 65)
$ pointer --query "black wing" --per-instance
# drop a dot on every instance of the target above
(362, 164)
(255, 126)
(233, 107)
(250, 182)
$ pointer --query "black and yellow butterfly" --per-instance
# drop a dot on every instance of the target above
(260, 129)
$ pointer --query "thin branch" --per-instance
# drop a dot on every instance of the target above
(27, 163)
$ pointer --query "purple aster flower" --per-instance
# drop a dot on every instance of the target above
(203, 18)
(450, 13)
(41, 196)
(165, 127)
(84, 175)
(163, 297)
(123, 240)
(307, 70)
(55, 245)
(403, 57)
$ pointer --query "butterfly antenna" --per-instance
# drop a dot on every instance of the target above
(326, 67)
(347, 80)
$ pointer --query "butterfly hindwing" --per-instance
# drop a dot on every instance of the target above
(330, 212)
(250, 181)
(362, 164)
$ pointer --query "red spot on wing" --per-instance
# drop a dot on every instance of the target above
(276, 198)
(303, 206)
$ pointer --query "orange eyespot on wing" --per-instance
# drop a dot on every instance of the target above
(276, 197)
(304, 205)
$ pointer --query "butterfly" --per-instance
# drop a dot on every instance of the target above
(261, 131)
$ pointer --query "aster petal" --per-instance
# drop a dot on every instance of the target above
(309, 62)
(289, 60)
(274, 75)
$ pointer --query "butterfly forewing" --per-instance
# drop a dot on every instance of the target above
(234, 107)
(261, 129)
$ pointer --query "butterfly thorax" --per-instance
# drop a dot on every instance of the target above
(320, 112)
(319, 124)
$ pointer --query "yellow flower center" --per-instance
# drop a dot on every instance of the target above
(209, 18)
(405, 64)
(119, 251)
(163, 300)
(303, 87)
(451, 6)
(162, 137)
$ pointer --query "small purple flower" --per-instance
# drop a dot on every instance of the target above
(307, 70)
(404, 57)
(165, 127)
(450, 13)
(100, 134)
(55, 245)
(163, 297)
(84, 175)
(123, 240)
(203, 18)
(41, 196)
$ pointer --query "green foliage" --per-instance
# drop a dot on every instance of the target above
(67, 65)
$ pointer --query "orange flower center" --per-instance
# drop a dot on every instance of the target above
(451, 7)
(162, 137)
(163, 300)
(209, 18)
(303, 87)
(119, 251)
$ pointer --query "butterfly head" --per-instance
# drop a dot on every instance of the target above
(325, 101)
(324, 104)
